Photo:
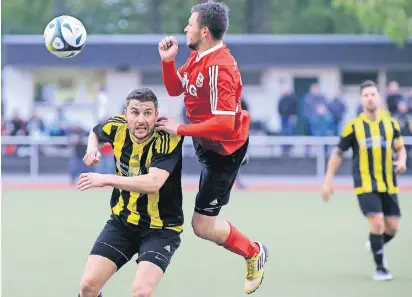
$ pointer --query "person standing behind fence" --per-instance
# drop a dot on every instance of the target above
(337, 108)
(288, 112)
(393, 98)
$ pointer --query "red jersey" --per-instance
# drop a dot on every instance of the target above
(212, 87)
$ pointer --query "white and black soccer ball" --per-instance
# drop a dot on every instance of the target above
(65, 36)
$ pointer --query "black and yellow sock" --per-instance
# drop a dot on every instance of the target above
(377, 248)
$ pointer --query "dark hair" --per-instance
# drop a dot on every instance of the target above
(214, 16)
(367, 84)
(142, 94)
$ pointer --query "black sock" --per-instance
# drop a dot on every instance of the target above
(387, 237)
(377, 248)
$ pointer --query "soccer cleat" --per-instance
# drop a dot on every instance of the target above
(254, 269)
(382, 274)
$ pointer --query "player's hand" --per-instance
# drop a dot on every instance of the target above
(91, 180)
(168, 48)
(327, 191)
(400, 166)
(92, 157)
(167, 124)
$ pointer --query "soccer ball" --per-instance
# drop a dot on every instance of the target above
(65, 36)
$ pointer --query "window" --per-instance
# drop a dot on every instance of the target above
(357, 77)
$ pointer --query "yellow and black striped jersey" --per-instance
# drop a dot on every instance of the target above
(372, 145)
(157, 210)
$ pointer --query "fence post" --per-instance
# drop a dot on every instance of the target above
(320, 161)
(34, 159)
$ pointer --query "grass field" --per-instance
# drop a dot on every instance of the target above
(316, 249)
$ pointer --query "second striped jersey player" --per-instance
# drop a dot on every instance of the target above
(146, 201)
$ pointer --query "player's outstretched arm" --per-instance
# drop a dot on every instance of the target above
(214, 126)
(146, 183)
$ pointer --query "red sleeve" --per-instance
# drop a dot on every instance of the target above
(216, 125)
(172, 79)
(223, 84)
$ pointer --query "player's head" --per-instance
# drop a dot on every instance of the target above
(141, 113)
(370, 98)
(208, 21)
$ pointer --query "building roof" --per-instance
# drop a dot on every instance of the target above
(251, 51)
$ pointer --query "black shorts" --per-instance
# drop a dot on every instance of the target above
(119, 244)
(374, 203)
(216, 178)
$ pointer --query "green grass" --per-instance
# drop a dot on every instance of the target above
(316, 249)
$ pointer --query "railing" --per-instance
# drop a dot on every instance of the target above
(269, 144)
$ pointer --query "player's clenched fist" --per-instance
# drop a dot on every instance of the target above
(168, 48)
(92, 157)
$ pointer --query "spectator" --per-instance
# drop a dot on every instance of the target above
(17, 125)
(404, 118)
(322, 123)
(409, 99)
(337, 109)
(288, 111)
(35, 126)
(311, 103)
(60, 124)
(393, 98)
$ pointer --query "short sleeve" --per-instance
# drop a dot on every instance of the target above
(347, 137)
(396, 129)
(397, 133)
(223, 84)
(167, 152)
(107, 131)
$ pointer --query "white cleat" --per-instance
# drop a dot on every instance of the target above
(382, 274)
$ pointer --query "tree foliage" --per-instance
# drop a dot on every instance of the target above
(392, 17)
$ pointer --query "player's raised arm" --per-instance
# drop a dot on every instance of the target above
(335, 160)
(172, 79)
(98, 136)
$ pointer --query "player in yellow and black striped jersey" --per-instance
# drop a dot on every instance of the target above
(374, 138)
(146, 202)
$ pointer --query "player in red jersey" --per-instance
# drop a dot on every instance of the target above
(211, 83)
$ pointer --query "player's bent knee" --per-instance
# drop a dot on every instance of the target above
(142, 291)
(203, 226)
(392, 225)
(89, 287)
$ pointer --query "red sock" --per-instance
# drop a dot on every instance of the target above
(239, 244)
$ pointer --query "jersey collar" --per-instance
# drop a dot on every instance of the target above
(378, 118)
(210, 50)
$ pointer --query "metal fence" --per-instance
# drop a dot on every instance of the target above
(45, 156)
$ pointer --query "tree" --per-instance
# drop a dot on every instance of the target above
(392, 17)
